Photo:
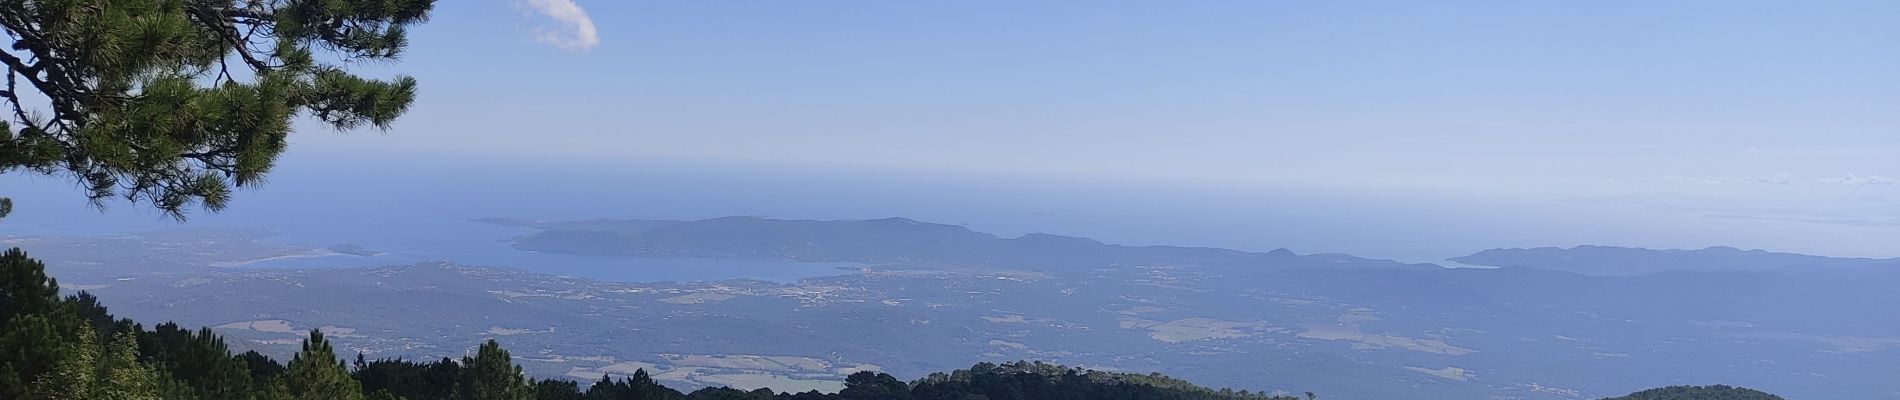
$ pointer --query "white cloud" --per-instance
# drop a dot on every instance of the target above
(1857, 180)
(572, 29)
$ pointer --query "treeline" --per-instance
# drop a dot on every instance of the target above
(71, 348)
(1711, 392)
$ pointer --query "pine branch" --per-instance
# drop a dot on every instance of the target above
(54, 93)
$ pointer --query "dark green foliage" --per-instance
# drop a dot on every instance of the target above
(410, 380)
(867, 385)
(31, 345)
(492, 375)
(24, 286)
(726, 393)
(198, 362)
(315, 373)
(639, 386)
(264, 371)
(561, 390)
(72, 372)
(1035, 380)
(35, 330)
(809, 395)
(120, 376)
(53, 348)
(175, 102)
(86, 308)
(1712, 392)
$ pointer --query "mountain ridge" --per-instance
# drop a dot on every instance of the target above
(887, 240)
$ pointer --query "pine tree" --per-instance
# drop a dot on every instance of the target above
(24, 286)
(557, 389)
(274, 389)
(265, 375)
(34, 333)
(175, 102)
(492, 375)
(82, 372)
(75, 372)
(316, 373)
(121, 375)
(644, 387)
(867, 385)
(198, 364)
(604, 389)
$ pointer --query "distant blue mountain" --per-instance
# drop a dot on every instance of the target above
(888, 240)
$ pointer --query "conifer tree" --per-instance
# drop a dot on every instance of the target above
(604, 389)
(74, 371)
(85, 371)
(176, 102)
(34, 335)
(867, 385)
(316, 374)
(24, 286)
(646, 388)
(557, 389)
(492, 375)
(197, 364)
(121, 375)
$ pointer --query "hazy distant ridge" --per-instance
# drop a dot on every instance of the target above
(888, 240)
(1629, 261)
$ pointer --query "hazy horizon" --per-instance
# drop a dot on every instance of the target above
(1407, 226)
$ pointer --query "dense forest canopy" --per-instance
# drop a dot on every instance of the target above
(1712, 392)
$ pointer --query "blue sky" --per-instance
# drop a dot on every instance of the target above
(1769, 124)
(1540, 96)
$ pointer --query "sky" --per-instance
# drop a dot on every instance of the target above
(1664, 124)
(1543, 96)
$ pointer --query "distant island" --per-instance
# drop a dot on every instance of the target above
(887, 240)
(911, 242)
(1628, 261)
(354, 250)
(1712, 392)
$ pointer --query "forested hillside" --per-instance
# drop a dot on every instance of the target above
(54, 347)
(1712, 392)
